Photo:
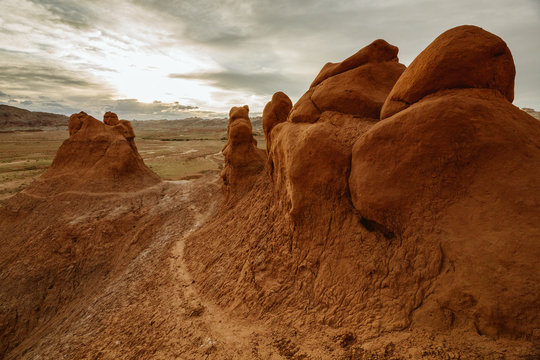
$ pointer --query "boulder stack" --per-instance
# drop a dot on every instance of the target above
(242, 157)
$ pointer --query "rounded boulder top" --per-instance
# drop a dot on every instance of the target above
(463, 57)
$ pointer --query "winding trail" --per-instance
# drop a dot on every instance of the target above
(149, 309)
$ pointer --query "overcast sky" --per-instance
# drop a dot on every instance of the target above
(174, 59)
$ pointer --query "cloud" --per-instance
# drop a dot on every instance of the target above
(257, 83)
(44, 77)
(209, 55)
(132, 108)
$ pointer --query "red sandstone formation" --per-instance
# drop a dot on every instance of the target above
(110, 118)
(429, 223)
(461, 158)
(242, 157)
(311, 161)
(64, 236)
(276, 111)
(462, 57)
(414, 236)
(97, 157)
(358, 85)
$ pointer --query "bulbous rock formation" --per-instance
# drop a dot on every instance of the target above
(462, 57)
(96, 157)
(110, 118)
(311, 151)
(276, 111)
(242, 157)
(424, 221)
(358, 85)
(457, 156)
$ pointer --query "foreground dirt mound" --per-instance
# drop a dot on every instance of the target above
(100, 275)
(426, 221)
(242, 157)
(97, 156)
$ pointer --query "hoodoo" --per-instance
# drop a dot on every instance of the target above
(242, 157)
(73, 227)
(97, 156)
(310, 152)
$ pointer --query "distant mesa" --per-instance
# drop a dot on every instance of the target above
(13, 118)
(242, 157)
(97, 156)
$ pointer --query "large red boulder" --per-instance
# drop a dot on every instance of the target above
(458, 164)
(463, 57)
(357, 86)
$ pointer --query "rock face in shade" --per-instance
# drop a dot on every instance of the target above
(461, 158)
(357, 86)
(276, 111)
(462, 57)
(96, 157)
(242, 157)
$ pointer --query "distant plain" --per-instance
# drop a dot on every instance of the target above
(173, 153)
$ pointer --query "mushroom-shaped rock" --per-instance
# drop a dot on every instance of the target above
(275, 112)
(463, 57)
(96, 157)
(357, 86)
(242, 157)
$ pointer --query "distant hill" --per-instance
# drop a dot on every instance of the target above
(13, 118)
(192, 123)
(532, 112)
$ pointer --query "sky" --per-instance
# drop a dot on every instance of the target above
(176, 59)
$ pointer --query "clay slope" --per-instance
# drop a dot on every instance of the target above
(422, 217)
(97, 156)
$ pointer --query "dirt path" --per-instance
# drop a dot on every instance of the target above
(150, 309)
